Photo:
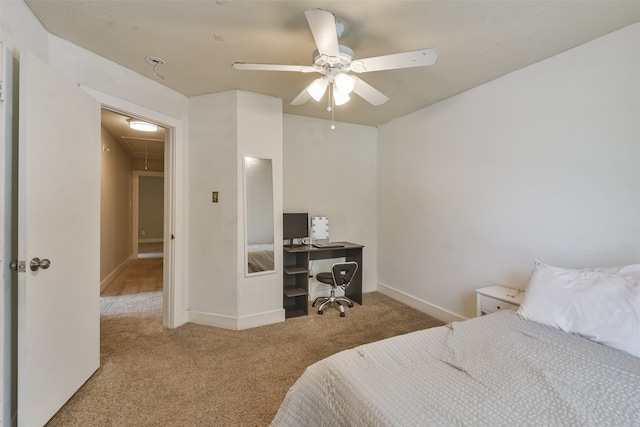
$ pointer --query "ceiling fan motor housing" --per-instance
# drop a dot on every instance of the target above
(330, 65)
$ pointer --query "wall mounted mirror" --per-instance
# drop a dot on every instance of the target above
(259, 222)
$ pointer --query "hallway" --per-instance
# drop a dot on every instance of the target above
(140, 276)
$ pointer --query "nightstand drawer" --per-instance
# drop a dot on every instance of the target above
(490, 305)
(493, 298)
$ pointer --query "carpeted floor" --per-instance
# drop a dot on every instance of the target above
(204, 376)
(141, 275)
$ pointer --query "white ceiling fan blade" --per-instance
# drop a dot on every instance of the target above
(302, 97)
(416, 58)
(323, 28)
(272, 67)
(367, 92)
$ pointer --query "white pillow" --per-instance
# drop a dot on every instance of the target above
(601, 304)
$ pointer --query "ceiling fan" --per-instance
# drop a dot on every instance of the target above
(335, 61)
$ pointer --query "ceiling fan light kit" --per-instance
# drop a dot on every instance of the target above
(335, 61)
(317, 88)
(339, 96)
(344, 82)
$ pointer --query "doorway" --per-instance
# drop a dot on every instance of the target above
(174, 311)
(132, 213)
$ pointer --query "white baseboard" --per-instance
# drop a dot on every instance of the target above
(107, 280)
(236, 323)
(151, 240)
(421, 305)
(261, 319)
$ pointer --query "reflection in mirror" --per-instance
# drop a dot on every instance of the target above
(258, 181)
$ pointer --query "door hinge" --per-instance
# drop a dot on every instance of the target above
(1, 91)
(19, 266)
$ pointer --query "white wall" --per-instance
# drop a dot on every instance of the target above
(539, 164)
(225, 127)
(213, 167)
(333, 173)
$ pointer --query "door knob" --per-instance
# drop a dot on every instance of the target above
(37, 264)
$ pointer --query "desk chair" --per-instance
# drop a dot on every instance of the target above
(340, 275)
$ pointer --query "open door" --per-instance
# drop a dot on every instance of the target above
(58, 240)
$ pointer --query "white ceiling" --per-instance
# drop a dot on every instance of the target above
(477, 41)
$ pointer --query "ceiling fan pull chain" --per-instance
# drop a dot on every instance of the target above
(331, 106)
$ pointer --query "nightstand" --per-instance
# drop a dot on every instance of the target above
(494, 298)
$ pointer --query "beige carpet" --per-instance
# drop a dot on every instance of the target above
(204, 376)
(141, 275)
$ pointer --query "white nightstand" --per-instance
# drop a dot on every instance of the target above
(494, 298)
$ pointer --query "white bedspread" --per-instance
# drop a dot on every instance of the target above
(495, 370)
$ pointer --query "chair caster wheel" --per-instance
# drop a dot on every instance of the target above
(319, 311)
(341, 314)
(350, 305)
(313, 304)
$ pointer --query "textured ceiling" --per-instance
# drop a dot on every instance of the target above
(477, 41)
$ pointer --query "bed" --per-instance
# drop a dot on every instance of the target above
(260, 258)
(494, 370)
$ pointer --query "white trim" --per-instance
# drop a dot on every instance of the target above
(150, 240)
(107, 280)
(175, 251)
(421, 305)
(210, 319)
(6, 150)
(261, 319)
(237, 323)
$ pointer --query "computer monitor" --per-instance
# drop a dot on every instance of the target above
(295, 226)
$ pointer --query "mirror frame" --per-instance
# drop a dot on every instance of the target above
(250, 188)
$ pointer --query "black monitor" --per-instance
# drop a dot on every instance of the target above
(295, 226)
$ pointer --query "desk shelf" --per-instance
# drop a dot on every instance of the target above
(295, 295)
(292, 269)
(294, 292)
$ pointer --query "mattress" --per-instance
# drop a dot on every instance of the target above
(494, 370)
